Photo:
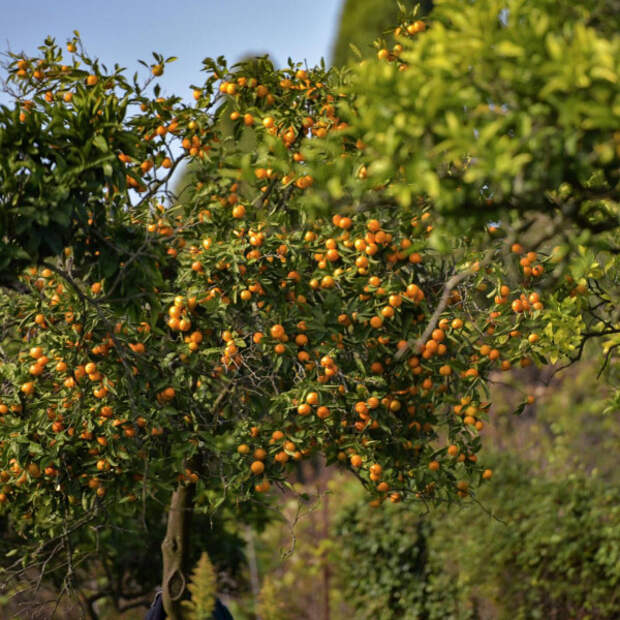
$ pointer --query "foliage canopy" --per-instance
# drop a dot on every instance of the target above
(360, 250)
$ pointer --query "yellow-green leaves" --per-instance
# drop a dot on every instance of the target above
(202, 587)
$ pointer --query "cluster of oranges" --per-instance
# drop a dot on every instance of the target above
(288, 335)
(376, 300)
(410, 30)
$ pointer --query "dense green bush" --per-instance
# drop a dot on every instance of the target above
(388, 567)
(551, 548)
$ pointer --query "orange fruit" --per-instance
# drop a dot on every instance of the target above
(376, 469)
(27, 388)
(323, 412)
(356, 460)
(304, 409)
(312, 398)
(238, 212)
(277, 331)
(263, 486)
(453, 450)
(415, 27)
(376, 322)
(257, 467)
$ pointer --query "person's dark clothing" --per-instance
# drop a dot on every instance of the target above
(221, 611)
(156, 611)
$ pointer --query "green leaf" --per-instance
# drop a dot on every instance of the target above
(509, 49)
(100, 142)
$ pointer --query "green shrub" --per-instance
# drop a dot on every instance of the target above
(388, 567)
(539, 548)
(554, 552)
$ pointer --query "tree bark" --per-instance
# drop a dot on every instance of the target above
(175, 551)
(325, 559)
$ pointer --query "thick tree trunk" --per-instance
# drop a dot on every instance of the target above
(175, 551)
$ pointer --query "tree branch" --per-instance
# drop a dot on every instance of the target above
(450, 284)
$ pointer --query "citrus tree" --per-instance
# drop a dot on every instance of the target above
(311, 293)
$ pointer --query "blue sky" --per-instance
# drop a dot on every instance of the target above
(123, 31)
